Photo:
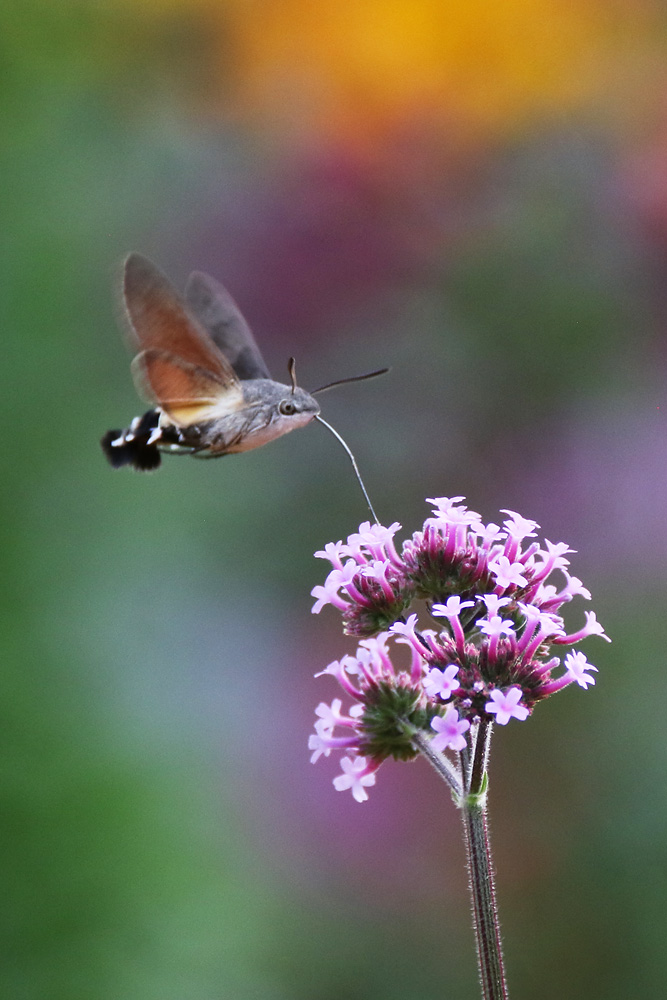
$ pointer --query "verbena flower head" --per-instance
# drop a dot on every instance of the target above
(490, 591)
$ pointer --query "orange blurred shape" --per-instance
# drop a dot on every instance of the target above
(357, 66)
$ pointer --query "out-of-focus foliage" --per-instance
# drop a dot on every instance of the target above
(473, 194)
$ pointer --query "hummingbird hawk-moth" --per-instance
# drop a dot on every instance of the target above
(199, 366)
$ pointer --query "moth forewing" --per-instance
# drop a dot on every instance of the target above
(159, 320)
(217, 311)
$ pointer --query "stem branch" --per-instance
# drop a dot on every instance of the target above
(442, 765)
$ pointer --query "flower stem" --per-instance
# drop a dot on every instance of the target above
(480, 869)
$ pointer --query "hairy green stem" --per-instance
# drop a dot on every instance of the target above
(469, 788)
(480, 870)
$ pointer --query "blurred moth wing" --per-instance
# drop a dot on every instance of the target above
(218, 313)
(187, 393)
(179, 367)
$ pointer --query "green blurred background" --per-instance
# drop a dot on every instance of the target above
(474, 194)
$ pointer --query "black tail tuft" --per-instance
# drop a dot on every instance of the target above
(136, 453)
(131, 447)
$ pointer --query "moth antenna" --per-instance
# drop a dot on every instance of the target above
(353, 378)
(354, 464)
(291, 368)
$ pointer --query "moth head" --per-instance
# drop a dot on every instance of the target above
(297, 403)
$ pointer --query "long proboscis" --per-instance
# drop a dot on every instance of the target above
(352, 458)
(352, 378)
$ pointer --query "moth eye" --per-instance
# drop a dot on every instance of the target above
(287, 408)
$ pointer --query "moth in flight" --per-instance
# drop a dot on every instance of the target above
(199, 366)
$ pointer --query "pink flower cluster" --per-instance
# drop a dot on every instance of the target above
(491, 659)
